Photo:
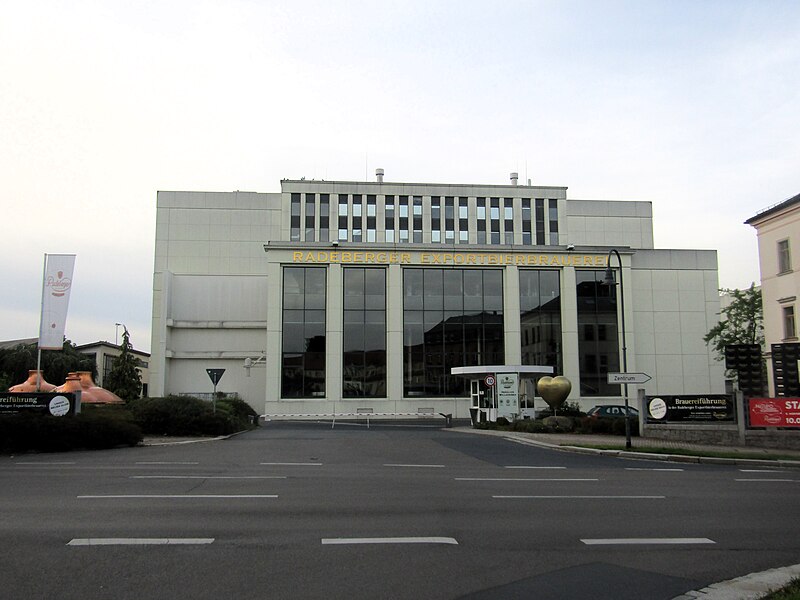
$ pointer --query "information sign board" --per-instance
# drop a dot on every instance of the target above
(507, 395)
(775, 412)
(56, 404)
(707, 408)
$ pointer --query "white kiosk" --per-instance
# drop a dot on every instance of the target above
(496, 390)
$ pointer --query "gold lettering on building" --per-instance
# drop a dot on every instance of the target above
(450, 258)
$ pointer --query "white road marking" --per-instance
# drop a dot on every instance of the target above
(530, 467)
(651, 469)
(204, 496)
(390, 540)
(584, 497)
(166, 462)
(415, 466)
(292, 464)
(65, 462)
(138, 541)
(521, 479)
(207, 477)
(759, 471)
(627, 541)
(770, 480)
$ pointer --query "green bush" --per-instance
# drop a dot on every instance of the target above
(530, 426)
(184, 415)
(607, 425)
(44, 433)
(559, 424)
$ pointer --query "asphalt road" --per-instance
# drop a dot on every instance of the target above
(303, 511)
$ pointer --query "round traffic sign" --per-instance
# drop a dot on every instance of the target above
(489, 381)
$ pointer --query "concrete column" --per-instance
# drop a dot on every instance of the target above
(334, 328)
(569, 331)
(511, 317)
(394, 336)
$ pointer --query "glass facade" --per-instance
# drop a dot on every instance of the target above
(540, 318)
(303, 326)
(295, 218)
(364, 336)
(598, 343)
(451, 318)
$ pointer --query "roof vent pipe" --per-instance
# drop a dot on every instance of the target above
(379, 175)
(514, 178)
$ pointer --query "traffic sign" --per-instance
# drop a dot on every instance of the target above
(489, 380)
(215, 375)
(628, 378)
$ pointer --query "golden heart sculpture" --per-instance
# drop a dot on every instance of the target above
(554, 390)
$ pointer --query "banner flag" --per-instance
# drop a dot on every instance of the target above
(56, 285)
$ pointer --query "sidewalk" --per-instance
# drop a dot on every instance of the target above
(573, 442)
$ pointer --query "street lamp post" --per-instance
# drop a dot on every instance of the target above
(609, 280)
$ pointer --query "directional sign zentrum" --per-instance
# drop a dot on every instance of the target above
(628, 378)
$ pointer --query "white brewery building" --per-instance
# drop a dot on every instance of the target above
(344, 296)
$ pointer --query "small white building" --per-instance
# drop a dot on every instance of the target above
(778, 230)
(348, 295)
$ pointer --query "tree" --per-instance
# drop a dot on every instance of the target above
(17, 361)
(124, 379)
(741, 321)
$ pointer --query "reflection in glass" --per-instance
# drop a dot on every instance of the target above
(364, 336)
(540, 318)
(303, 328)
(598, 343)
(451, 318)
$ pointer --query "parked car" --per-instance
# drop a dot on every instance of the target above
(611, 410)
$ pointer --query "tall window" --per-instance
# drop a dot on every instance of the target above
(389, 218)
(295, 218)
(451, 318)
(539, 217)
(789, 325)
(436, 219)
(417, 223)
(357, 218)
(372, 211)
(324, 217)
(508, 220)
(303, 346)
(463, 220)
(449, 220)
(480, 208)
(494, 214)
(540, 318)
(598, 343)
(342, 217)
(526, 222)
(784, 257)
(403, 220)
(364, 336)
(310, 211)
(553, 221)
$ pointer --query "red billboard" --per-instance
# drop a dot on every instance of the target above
(775, 412)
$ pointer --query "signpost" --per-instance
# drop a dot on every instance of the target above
(635, 378)
(508, 395)
(215, 375)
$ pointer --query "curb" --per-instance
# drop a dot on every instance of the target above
(179, 442)
(633, 455)
(748, 587)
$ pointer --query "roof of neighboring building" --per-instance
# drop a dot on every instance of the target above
(14, 343)
(93, 345)
(773, 209)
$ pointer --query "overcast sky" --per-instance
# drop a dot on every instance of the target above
(691, 105)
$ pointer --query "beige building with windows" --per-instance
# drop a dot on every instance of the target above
(778, 230)
(341, 296)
